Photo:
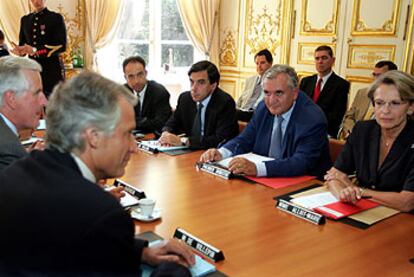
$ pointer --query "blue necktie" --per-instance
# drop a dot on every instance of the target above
(275, 149)
(196, 131)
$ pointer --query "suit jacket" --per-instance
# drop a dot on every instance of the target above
(54, 220)
(361, 156)
(156, 108)
(41, 29)
(304, 146)
(10, 147)
(332, 100)
(357, 112)
(220, 122)
(247, 91)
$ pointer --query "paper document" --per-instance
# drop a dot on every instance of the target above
(31, 140)
(157, 145)
(42, 125)
(249, 156)
(315, 200)
(199, 269)
(128, 200)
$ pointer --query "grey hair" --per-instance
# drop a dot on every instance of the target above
(277, 69)
(401, 80)
(87, 100)
(12, 76)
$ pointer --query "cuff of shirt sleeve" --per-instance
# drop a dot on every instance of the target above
(225, 153)
(261, 169)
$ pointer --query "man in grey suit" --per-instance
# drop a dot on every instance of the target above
(21, 105)
(253, 92)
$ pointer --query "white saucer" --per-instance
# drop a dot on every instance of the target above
(156, 214)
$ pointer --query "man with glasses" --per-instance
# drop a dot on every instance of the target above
(362, 108)
(287, 126)
(21, 105)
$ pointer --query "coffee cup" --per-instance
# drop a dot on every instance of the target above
(146, 206)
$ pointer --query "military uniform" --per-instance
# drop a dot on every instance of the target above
(46, 32)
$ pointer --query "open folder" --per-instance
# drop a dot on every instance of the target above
(327, 204)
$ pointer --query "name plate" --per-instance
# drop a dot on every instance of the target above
(148, 149)
(202, 247)
(215, 170)
(300, 212)
(130, 189)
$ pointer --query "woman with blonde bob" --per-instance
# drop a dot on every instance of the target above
(380, 152)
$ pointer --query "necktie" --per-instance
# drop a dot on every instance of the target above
(138, 107)
(196, 131)
(317, 91)
(250, 104)
(275, 149)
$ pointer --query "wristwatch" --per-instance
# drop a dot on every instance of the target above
(184, 141)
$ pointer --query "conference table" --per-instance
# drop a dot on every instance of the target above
(239, 217)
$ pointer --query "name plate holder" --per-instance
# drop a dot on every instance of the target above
(215, 169)
(200, 246)
(148, 149)
(300, 212)
(140, 194)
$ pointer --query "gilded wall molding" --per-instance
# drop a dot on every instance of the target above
(359, 79)
(362, 56)
(263, 30)
(306, 51)
(74, 28)
(388, 28)
(330, 27)
(228, 53)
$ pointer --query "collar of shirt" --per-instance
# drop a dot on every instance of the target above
(86, 172)
(10, 124)
(324, 79)
(286, 117)
(141, 94)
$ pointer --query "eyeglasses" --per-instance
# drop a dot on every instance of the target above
(395, 104)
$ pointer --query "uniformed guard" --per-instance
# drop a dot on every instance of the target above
(43, 37)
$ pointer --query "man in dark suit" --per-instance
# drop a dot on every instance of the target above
(287, 126)
(43, 37)
(327, 89)
(21, 105)
(206, 115)
(153, 108)
(55, 218)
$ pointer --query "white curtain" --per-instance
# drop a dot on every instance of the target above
(102, 19)
(11, 11)
(200, 20)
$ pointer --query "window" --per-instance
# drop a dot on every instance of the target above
(153, 30)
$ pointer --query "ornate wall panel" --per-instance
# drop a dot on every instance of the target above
(366, 56)
(319, 17)
(229, 86)
(229, 32)
(228, 52)
(262, 29)
(382, 22)
(357, 82)
(73, 13)
(306, 52)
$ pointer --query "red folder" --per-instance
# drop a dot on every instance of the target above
(280, 182)
(338, 210)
